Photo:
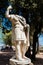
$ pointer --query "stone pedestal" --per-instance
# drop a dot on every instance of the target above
(19, 62)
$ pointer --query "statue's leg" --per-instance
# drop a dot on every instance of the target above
(18, 51)
(26, 42)
(24, 49)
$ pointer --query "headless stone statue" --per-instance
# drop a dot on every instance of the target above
(20, 34)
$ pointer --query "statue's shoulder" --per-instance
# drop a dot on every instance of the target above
(19, 16)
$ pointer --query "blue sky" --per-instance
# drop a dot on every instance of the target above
(41, 39)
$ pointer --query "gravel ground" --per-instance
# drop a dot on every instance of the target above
(39, 59)
(4, 57)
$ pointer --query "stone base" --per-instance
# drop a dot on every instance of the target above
(19, 62)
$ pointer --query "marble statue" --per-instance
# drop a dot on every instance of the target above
(20, 34)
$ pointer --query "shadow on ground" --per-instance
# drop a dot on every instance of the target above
(4, 57)
(38, 61)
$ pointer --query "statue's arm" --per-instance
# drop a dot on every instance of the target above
(7, 12)
(10, 16)
(28, 34)
(27, 25)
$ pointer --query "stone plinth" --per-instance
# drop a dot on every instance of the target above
(19, 62)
